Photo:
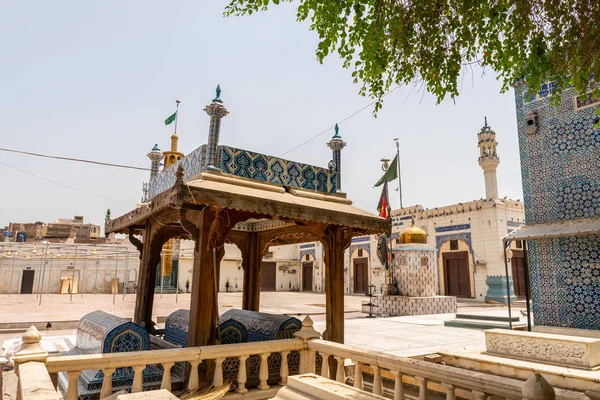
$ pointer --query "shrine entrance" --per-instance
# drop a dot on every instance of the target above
(518, 273)
(361, 275)
(307, 276)
(457, 281)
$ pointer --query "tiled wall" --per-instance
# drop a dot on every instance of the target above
(260, 167)
(247, 164)
(560, 163)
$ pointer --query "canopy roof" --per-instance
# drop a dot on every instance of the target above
(578, 227)
(270, 206)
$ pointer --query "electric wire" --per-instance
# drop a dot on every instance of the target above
(339, 122)
(63, 185)
(75, 159)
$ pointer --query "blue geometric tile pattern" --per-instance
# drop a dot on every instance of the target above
(260, 167)
(251, 165)
(192, 166)
(560, 166)
(464, 236)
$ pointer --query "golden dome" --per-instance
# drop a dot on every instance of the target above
(413, 234)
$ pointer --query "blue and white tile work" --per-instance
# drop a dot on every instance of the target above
(251, 165)
(560, 164)
(192, 165)
(260, 167)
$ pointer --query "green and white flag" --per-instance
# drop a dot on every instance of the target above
(171, 119)
(390, 174)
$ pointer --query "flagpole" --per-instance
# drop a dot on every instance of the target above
(399, 176)
(176, 114)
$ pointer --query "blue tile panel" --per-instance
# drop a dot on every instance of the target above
(260, 167)
(464, 236)
(307, 246)
(451, 228)
(565, 281)
(192, 166)
(251, 165)
(560, 165)
(305, 252)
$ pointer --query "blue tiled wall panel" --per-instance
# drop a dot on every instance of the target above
(247, 164)
(560, 165)
(260, 167)
(565, 281)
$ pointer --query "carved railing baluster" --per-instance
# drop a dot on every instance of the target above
(107, 388)
(72, 390)
(312, 362)
(194, 381)
(398, 386)
(477, 395)
(358, 379)
(325, 365)
(263, 373)
(450, 391)
(284, 369)
(138, 374)
(166, 378)
(241, 377)
(218, 376)
(423, 392)
(340, 373)
(377, 384)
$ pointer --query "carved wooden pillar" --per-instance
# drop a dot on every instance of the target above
(251, 262)
(335, 241)
(201, 331)
(150, 257)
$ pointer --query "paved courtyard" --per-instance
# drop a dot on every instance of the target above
(407, 336)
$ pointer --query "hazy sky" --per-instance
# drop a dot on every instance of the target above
(97, 79)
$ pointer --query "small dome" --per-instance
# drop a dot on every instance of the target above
(413, 234)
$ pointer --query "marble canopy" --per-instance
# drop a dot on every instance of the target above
(214, 207)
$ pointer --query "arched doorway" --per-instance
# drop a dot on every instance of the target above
(455, 268)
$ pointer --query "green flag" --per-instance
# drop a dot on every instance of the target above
(171, 119)
(390, 174)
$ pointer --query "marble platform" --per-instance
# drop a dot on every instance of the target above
(573, 351)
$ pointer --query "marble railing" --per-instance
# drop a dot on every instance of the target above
(427, 376)
(35, 369)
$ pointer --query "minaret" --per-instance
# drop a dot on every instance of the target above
(488, 159)
(172, 156)
(156, 157)
(337, 144)
(216, 110)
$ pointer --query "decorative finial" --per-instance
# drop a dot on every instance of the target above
(412, 219)
(218, 92)
(485, 118)
(337, 131)
(155, 148)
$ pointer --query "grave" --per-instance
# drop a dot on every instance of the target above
(100, 332)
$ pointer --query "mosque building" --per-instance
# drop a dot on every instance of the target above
(466, 237)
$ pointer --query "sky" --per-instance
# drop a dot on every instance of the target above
(96, 80)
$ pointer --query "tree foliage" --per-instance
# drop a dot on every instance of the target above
(437, 42)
